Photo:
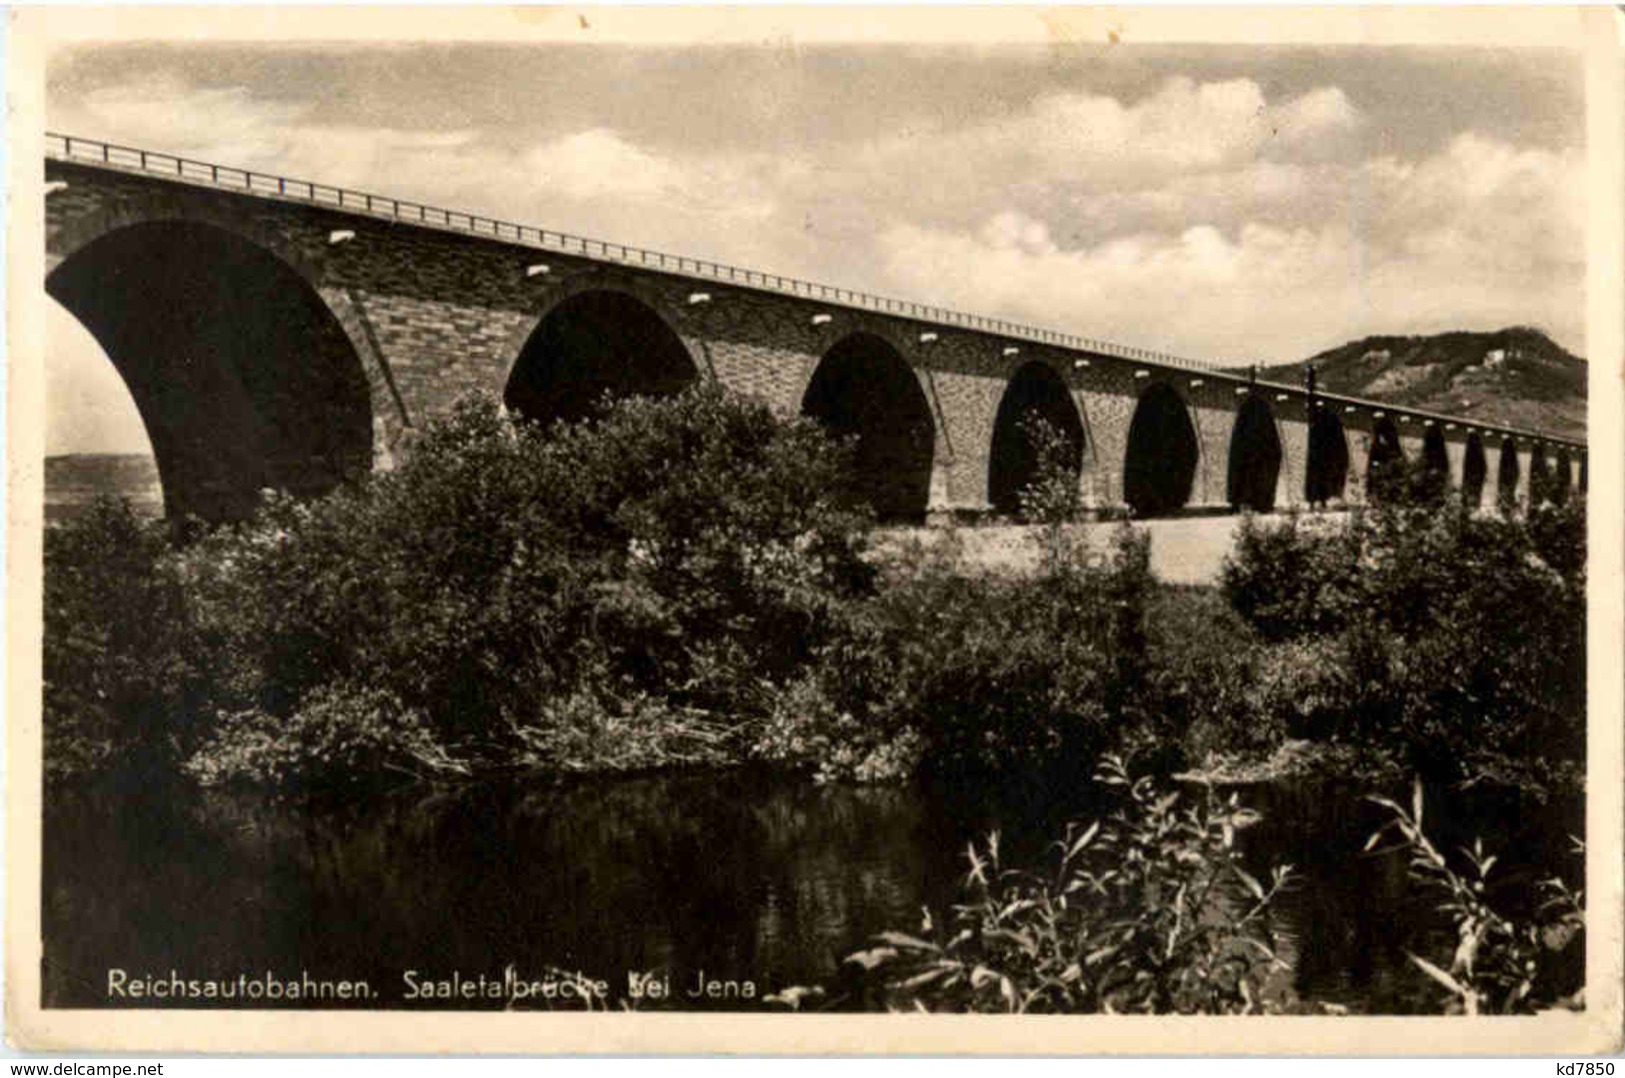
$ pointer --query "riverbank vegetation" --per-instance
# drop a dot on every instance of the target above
(1128, 918)
(1151, 908)
(511, 596)
(690, 583)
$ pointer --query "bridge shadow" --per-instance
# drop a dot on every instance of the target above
(243, 377)
(1035, 398)
(862, 389)
(594, 345)
(1159, 468)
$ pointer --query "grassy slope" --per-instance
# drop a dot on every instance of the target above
(1538, 385)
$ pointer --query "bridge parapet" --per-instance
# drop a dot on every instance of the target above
(248, 181)
(434, 302)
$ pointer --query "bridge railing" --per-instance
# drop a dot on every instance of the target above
(69, 147)
(73, 148)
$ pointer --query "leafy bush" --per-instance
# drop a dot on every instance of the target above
(1558, 535)
(1212, 688)
(684, 581)
(1505, 960)
(1053, 496)
(1147, 911)
(1291, 577)
(122, 686)
(592, 732)
(808, 730)
(340, 736)
(668, 583)
(976, 673)
(694, 550)
(1399, 624)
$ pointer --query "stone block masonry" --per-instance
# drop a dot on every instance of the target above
(423, 314)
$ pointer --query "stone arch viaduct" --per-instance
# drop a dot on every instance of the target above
(280, 333)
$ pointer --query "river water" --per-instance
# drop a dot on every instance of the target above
(729, 880)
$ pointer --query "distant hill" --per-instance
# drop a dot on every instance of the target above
(1517, 376)
(75, 480)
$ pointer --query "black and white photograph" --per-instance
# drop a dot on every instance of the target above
(802, 517)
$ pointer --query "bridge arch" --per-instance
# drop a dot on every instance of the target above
(1474, 471)
(1159, 465)
(1386, 458)
(1327, 470)
(1507, 474)
(1563, 477)
(1255, 457)
(1435, 462)
(594, 343)
(1034, 393)
(1540, 476)
(243, 376)
(863, 389)
(157, 206)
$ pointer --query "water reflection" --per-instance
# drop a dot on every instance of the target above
(1345, 928)
(740, 875)
(743, 878)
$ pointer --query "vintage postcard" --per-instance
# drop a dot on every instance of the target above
(803, 530)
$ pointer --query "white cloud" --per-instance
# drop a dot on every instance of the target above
(1185, 125)
(594, 181)
(599, 163)
(1286, 193)
(1485, 200)
(233, 126)
(164, 112)
(1203, 218)
(1091, 143)
(1012, 229)
(757, 206)
(1476, 236)
(1320, 113)
(1198, 292)
(600, 166)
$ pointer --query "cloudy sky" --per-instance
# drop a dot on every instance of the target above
(1225, 203)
